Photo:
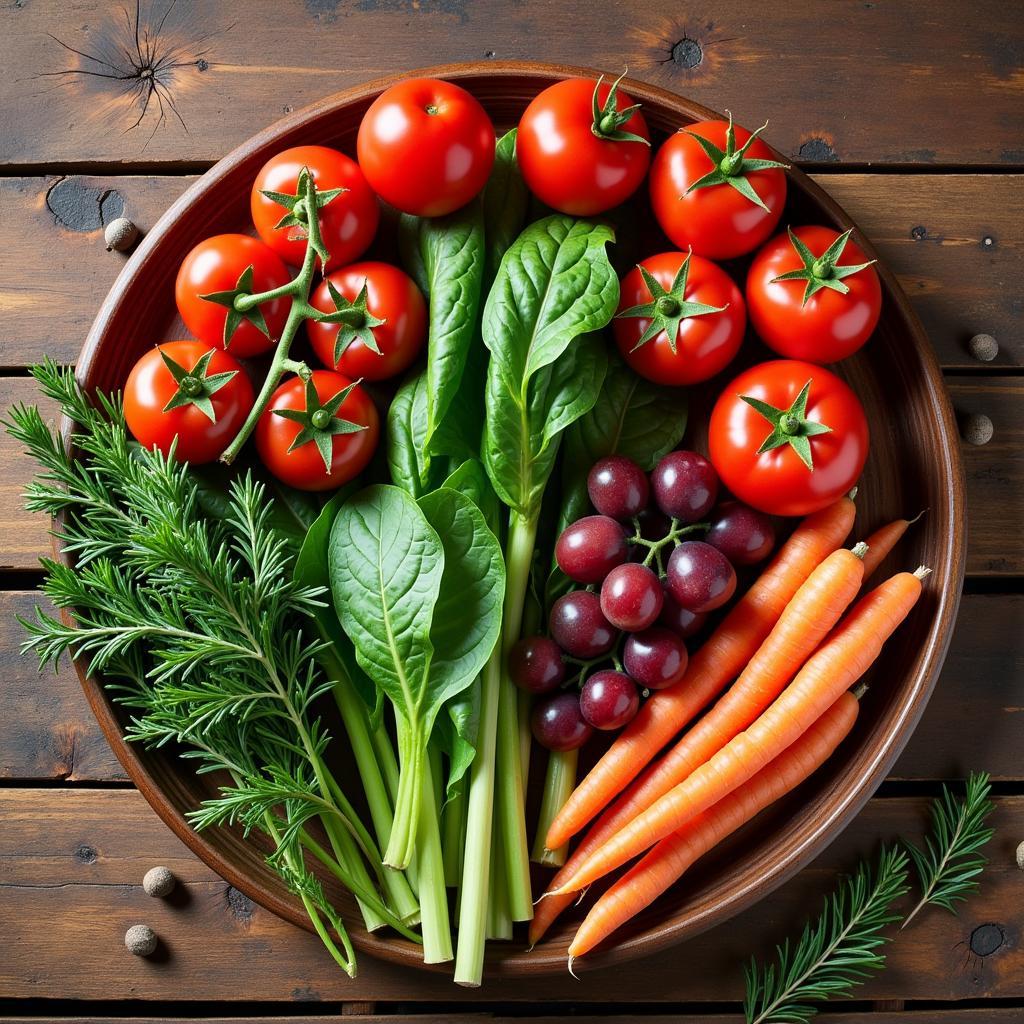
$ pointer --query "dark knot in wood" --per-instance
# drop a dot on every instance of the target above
(986, 939)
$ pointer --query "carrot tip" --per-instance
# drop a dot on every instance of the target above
(910, 522)
(853, 493)
(860, 549)
(922, 572)
(572, 960)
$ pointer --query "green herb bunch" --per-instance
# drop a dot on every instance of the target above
(200, 630)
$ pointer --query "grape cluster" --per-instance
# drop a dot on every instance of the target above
(648, 585)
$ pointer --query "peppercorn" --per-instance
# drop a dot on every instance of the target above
(984, 347)
(158, 881)
(978, 429)
(1020, 856)
(140, 939)
(120, 234)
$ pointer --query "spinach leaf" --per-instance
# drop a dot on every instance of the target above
(407, 425)
(505, 201)
(633, 417)
(446, 254)
(470, 479)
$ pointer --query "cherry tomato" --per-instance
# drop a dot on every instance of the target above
(827, 313)
(394, 317)
(691, 290)
(426, 146)
(817, 428)
(717, 220)
(304, 466)
(215, 386)
(215, 266)
(574, 163)
(347, 223)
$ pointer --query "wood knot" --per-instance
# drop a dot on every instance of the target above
(817, 150)
(687, 53)
(239, 904)
(77, 205)
(86, 854)
(986, 939)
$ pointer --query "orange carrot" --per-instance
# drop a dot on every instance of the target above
(718, 662)
(667, 862)
(813, 611)
(883, 540)
(834, 667)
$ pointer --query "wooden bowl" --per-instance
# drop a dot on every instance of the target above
(914, 465)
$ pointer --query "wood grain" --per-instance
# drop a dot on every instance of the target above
(48, 732)
(931, 231)
(71, 864)
(931, 1016)
(955, 81)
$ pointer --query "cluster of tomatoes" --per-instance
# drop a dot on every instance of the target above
(366, 321)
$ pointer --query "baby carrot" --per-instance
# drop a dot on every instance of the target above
(667, 862)
(813, 611)
(834, 667)
(720, 660)
(883, 540)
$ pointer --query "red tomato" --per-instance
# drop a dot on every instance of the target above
(705, 339)
(347, 223)
(152, 385)
(426, 146)
(823, 316)
(575, 164)
(395, 316)
(215, 265)
(716, 220)
(304, 466)
(779, 481)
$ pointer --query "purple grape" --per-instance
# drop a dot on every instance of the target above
(655, 658)
(590, 548)
(685, 486)
(609, 700)
(617, 487)
(744, 535)
(579, 627)
(700, 577)
(680, 620)
(631, 596)
(535, 664)
(558, 723)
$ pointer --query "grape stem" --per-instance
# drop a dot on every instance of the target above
(655, 547)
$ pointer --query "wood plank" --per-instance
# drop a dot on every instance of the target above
(47, 731)
(931, 231)
(77, 857)
(995, 474)
(889, 80)
(57, 269)
(995, 479)
(973, 721)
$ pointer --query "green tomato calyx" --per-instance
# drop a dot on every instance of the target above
(320, 422)
(789, 426)
(821, 271)
(196, 386)
(355, 320)
(668, 308)
(608, 119)
(731, 165)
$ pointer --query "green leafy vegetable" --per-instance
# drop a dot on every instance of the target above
(446, 256)
(406, 437)
(836, 952)
(505, 200)
(950, 861)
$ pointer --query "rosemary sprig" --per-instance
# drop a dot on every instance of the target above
(949, 862)
(836, 952)
(198, 626)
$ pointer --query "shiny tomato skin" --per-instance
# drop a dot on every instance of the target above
(215, 265)
(831, 326)
(304, 468)
(391, 296)
(347, 223)
(426, 146)
(705, 345)
(717, 222)
(150, 387)
(777, 482)
(565, 164)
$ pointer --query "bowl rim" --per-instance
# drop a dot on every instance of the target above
(843, 803)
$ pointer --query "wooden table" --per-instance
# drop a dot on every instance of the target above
(911, 114)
